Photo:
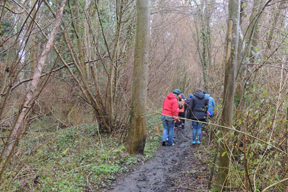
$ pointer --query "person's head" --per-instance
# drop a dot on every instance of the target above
(198, 90)
(191, 95)
(180, 104)
(176, 91)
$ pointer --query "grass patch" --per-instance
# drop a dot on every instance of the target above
(73, 159)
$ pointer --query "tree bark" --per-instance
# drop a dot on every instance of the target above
(229, 89)
(137, 130)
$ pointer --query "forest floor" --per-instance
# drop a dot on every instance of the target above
(182, 167)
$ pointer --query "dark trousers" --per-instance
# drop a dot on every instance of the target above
(182, 115)
(182, 121)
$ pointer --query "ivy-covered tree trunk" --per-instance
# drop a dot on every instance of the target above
(229, 89)
(137, 131)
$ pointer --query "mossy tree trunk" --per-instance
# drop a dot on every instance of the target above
(229, 89)
(137, 130)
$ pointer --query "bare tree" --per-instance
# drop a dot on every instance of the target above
(19, 125)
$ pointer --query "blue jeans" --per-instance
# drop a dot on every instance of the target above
(196, 131)
(168, 124)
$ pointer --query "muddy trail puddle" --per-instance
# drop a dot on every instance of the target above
(173, 168)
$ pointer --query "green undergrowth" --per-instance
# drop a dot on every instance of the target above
(73, 159)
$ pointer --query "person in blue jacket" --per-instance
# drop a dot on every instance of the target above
(211, 104)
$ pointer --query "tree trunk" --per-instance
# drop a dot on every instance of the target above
(256, 12)
(229, 89)
(137, 130)
(87, 41)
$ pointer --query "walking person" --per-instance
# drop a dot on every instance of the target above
(181, 114)
(197, 111)
(211, 104)
(170, 116)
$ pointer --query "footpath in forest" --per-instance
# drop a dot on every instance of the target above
(181, 167)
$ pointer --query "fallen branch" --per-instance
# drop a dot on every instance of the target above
(87, 180)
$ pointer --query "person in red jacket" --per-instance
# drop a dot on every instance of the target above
(169, 116)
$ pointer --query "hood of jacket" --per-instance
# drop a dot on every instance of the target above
(182, 96)
(170, 105)
(199, 95)
(171, 96)
(207, 95)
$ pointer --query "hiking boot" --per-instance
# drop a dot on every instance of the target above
(163, 143)
(198, 142)
(193, 142)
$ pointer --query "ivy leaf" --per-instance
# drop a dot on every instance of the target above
(232, 135)
(277, 177)
(219, 140)
(65, 152)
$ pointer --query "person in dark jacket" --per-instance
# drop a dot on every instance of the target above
(197, 111)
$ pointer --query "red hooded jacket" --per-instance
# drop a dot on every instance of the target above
(170, 105)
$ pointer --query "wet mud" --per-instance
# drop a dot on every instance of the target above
(173, 168)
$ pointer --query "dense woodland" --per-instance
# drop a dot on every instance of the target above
(77, 97)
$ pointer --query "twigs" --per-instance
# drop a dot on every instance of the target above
(191, 189)
(23, 163)
(44, 74)
(103, 34)
(11, 10)
(282, 82)
(213, 166)
(233, 129)
(87, 181)
(18, 126)
(247, 179)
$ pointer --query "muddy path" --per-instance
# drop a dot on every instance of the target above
(173, 168)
